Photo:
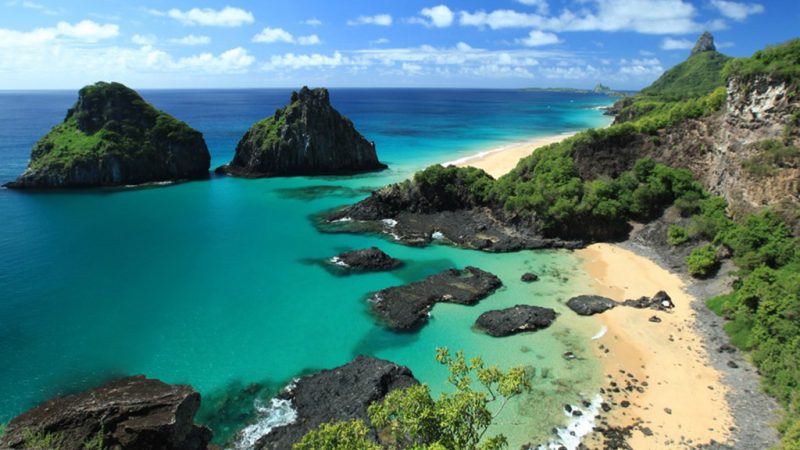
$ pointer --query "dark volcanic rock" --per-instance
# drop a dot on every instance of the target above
(404, 308)
(518, 319)
(705, 43)
(587, 305)
(307, 137)
(112, 137)
(529, 277)
(366, 260)
(338, 394)
(417, 215)
(133, 413)
(661, 301)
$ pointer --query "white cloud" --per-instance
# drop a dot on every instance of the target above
(35, 6)
(225, 17)
(235, 60)
(313, 22)
(541, 5)
(737, 11)
(191, 39)
(379, 41)
(142, 39)
(272, 35)
(411, 69)
(536, 38)
(642, 16)
(383, 20)
(676, 44)
(293, 61)
(309, 40)
(641, 67)
(439, 16)
(85, 31)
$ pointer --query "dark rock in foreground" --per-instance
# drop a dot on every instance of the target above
(515, 320)
(587, 305)
(112, 137)
(529, 277)
(132, 413)
(370, 259)
(661, 301)
(404, 308)
(338, 394)
(307, 137)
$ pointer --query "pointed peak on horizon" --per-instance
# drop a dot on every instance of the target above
(705, 43)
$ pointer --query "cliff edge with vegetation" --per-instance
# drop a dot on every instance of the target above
(112, 137)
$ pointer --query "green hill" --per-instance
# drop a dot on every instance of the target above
(697, 76)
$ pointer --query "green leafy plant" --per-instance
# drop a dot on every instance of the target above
(351, 435)
(702, 262)
(42, 440)
(677, 235)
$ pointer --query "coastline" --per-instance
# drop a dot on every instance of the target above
(678, 398)
(499, 161)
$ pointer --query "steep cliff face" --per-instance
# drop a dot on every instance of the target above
(113, 137)
(307, 137)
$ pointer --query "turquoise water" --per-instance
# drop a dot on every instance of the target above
(218, 283)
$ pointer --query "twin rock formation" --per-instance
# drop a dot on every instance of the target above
(112, 137)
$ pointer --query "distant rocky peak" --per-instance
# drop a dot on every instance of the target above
(704, 44)
(306, 95)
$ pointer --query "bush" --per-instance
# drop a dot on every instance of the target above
(352, 435)
(677, 235)
(702, 262)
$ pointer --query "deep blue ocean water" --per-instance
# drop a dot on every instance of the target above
(218, 283)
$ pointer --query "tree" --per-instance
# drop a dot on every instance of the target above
(412, 418)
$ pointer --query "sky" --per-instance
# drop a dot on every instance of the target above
(625, 44)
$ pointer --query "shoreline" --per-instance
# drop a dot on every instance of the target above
(677, 398)
(500, 160)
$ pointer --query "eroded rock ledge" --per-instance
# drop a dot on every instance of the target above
(405, 308)
(370, 259)
(129, 413)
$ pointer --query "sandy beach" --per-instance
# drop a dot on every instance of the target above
(682, 403)
(500, 161)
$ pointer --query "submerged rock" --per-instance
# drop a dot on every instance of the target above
(515, 320)
(130, 413)
(587, 305)
(112, 137)
(404, 308)
(366, 260)
(306, 137)
(338, 394)
(529, 277)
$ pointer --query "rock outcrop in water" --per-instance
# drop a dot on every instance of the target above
(420, 211)
(370, 259)
(514, 320)
(338, 394)
(112, 137)
(132, 413)
(406, 307)
(306, 137)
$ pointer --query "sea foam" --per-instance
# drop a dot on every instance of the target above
(277, 413)
(570, 437)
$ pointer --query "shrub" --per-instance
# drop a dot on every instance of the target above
(677, 235)
(702, 262)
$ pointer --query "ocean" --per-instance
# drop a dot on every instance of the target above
(221, 283)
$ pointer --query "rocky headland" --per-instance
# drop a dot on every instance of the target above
(405, 308)
(112, 137)
(130, 413)
(306, 137)
(514, 320)
(338, 394)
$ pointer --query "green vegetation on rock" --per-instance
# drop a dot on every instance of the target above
(699, 75)
(702, 262)
(112, 136)
(677, 235)
(780, 62)
(412, 418)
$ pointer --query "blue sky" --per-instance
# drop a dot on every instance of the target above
(46, 44)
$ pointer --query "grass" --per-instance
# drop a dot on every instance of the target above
(699, 75)
(40, 440)
(781, 62)
(772, 156)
